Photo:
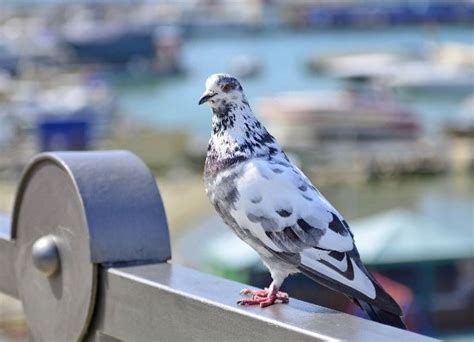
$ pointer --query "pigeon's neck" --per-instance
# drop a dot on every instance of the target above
(237, 135)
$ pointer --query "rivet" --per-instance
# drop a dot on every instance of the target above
(45, 255)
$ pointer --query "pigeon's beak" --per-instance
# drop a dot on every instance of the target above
(206, 96)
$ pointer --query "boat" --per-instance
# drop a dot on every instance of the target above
(370, 63)
(439, 70)
(361, 112)
(135, 48)
(433, 79)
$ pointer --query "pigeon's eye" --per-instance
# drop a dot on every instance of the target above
(226, 88)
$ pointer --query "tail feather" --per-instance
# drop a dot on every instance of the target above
(379, 315)
(362, 288)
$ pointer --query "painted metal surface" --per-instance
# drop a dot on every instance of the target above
(123, 208)
(49, 207)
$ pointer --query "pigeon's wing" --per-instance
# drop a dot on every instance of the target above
(280, 207)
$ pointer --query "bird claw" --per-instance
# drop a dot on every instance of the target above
(263, 301)
(263, 293)
(263, 297)
(255, 293)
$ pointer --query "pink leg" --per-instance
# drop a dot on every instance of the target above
(264, 297)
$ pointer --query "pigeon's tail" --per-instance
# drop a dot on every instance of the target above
(379, 315)
(345, 273)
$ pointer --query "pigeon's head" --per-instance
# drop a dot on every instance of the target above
(222, 89)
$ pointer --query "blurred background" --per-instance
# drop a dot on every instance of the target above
(374, 100)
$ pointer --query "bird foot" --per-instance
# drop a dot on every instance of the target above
(263, 297)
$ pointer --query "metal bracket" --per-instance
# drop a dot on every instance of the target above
(74, 210)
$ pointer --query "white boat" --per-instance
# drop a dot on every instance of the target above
(440, 70)
(434, 79)
(360, 113)
(370, 63)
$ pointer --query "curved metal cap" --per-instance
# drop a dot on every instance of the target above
(126, 221)
(124, 211)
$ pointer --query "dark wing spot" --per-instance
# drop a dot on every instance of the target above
(272, 150)
(267, 138)
(253, 218)
(307, 198)
(283, 213)
(277, 170)
(348, 273)
(256, 199)
(337, 255)
(266, 223)
(304, 225)
(307, 233)
(286, 239)
(303, 187)
(347, 227)
(336, 225)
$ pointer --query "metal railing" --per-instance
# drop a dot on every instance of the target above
(88, 255)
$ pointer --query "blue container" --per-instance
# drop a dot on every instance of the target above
(64, 134)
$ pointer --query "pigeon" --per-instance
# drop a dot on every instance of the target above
(271, 205)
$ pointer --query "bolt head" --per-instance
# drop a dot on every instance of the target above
(45, 255)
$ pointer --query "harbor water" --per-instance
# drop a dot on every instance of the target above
(169, 102)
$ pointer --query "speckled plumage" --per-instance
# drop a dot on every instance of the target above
(272, 206)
